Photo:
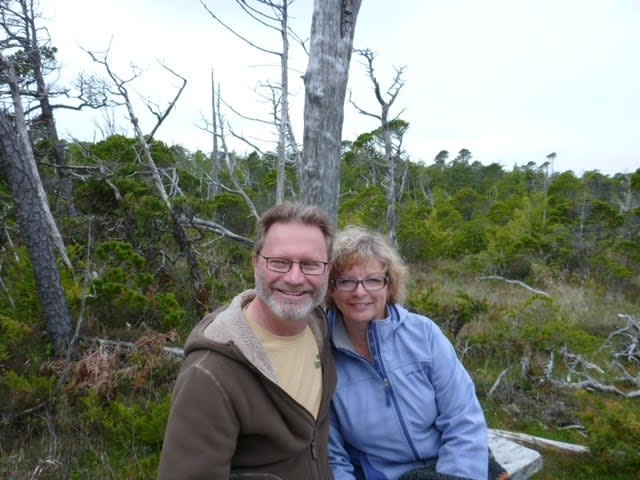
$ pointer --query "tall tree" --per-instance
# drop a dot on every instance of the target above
(332, 32)
(386, 102)
(34, 216)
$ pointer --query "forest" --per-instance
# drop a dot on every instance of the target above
(111, 251)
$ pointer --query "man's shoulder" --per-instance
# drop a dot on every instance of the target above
(221, 325)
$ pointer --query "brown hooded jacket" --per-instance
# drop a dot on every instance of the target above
(229, 417)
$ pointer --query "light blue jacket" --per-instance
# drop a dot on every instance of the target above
(414, 404)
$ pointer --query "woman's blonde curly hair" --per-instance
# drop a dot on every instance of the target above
(355, 245)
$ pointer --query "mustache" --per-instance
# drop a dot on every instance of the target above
(291, 288)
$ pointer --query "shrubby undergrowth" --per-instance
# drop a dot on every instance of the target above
(528, 273)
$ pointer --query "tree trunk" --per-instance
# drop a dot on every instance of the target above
(32, 45)
(332, 32)
(284, 107)
(392, 218)
(26, 188)
(213, 187)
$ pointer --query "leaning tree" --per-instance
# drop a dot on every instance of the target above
(32, 209)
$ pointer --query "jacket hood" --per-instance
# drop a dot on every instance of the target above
(227, 332)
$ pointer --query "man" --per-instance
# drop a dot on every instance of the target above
(252, 397)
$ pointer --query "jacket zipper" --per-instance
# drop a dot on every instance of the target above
(388, 390)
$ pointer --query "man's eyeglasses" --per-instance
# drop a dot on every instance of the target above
(283, 265)
(370, 284)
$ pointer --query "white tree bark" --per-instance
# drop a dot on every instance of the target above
(332, 32)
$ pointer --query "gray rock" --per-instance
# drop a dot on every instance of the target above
(521, 462)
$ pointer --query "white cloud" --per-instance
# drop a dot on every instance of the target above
(509, 80)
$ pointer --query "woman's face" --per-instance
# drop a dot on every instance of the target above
(361, 305)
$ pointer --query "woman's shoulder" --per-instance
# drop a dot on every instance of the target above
(406, 313)
(414, 321)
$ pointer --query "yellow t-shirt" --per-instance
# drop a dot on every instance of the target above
(296, 362)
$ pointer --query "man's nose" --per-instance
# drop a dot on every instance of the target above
(295, 275)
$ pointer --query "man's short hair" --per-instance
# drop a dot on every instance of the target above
(295, 212)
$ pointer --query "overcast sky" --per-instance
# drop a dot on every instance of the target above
(509, 80)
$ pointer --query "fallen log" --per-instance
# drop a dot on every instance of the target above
(540, 442)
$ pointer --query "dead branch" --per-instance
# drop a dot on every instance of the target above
(83, 303)
(540, 442)
(7, 236)
(246, 117)
(217, 228)
(497, 382)
(517, 282)
(580, 367)
(236, 34)
(234, 178)
(130, 346)
(631, 331)
(161, 116)
(4, 287)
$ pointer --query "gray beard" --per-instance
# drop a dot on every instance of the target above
(289, 312)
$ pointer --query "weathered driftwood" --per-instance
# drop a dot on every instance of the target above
(521, 462)
(540, 442)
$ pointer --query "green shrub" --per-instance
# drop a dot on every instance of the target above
(129, 421)
(22, 392)
(614, 431)
(126, 294)
(12, 336)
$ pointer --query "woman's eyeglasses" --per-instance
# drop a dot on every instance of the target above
(370, 284)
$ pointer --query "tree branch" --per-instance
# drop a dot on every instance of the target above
(516, 282)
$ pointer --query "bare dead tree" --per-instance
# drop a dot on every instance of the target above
(28, 45)
(546, 183)
(272, 15)
(234, 178)
(386, 125)
(627, 202)
(332, 32)
(212, 189)
(34, 215)
(179, 232)
(35, 56)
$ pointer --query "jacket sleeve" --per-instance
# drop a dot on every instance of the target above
(338, 456)
(464, 450)
(202, 429)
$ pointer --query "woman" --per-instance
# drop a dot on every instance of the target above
(404, 402)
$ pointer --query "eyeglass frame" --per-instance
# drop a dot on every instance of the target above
(385, 282)
(291, 262)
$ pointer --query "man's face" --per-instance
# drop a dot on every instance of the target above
(291, 295)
